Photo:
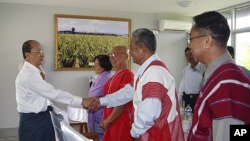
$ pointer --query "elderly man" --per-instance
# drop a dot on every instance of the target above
(117, 121)
(225, 95)
(156, 110)
(33, 93)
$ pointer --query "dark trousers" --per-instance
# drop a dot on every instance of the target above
(190, 99)
(36, 127)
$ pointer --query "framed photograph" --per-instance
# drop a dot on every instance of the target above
(78, 39)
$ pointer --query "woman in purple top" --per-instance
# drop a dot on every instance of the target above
(103, 70)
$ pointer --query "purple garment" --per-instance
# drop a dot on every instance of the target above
(96, 90)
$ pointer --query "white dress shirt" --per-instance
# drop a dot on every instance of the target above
(192, 79)
(148, 110)
(32, 92)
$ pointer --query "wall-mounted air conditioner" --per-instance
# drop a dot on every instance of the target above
(174, 25)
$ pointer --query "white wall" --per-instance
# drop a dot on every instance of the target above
(19, 23)
(171, 46)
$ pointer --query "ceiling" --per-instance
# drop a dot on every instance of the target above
(142, 6)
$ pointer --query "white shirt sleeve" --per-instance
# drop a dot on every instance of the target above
(46, 90)
(147, 112)
(118, 98)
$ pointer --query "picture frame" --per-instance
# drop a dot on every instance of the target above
(78, 39)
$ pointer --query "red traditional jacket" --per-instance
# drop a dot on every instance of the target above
(156, 82)
(226, 94)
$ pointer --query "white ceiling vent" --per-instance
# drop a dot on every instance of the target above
(174, 25)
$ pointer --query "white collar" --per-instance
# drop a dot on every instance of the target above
(145, 64)
(31, 66)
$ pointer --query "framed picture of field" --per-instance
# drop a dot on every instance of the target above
(78, 39)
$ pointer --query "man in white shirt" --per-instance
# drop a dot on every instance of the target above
(33, 93)
(191, 80)
(156, 110)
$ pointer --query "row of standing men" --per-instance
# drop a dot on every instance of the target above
(155, 112)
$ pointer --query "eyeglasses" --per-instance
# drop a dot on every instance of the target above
(41, 51)
(115, 54)
(191, 38)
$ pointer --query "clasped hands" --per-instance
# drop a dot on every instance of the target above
(92, 103)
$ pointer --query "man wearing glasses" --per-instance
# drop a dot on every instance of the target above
(33, 94)
(117, 121)
(224, 98)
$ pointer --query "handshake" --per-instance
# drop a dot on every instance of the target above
(92, 103)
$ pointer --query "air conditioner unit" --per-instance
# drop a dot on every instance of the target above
(174, 25)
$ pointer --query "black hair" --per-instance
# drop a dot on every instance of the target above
(27, 47)
(216, 24)
(146, 37)
(104, 62)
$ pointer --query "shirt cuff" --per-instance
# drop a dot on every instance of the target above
(103, 101)
(77, 102)
(133, 134)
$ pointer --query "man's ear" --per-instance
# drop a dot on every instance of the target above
(27, 55)
(142, 50)
(209, 41)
